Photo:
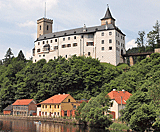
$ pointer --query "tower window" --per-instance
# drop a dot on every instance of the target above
(40, 27)
(55, 40)
(110, 40)
(102, 48)
(110, 48)
(110, 33)
(66, 56)
(39, 55)
(74, 37)
(47, 42)
(89, 53)
(102, 34)
(63, 46)
(38, 50)
(68, 38)
(47, 27)
(63, 39)
(74, 44)
(43, 42)
(102, 42)
(38, 43)
(51, 41)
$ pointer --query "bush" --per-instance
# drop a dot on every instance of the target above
(117, 126)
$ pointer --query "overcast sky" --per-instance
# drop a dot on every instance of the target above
(18, 19)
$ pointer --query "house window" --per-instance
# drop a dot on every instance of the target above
(110, 48)
(68, 38)
(47, 27)
(66, 56)
(38, 43)
(65, 113)
(39, 55)
(110, 40)
(51, 41)
(38, 50)
(90, 35)
(110, 33)
(46, 106)
(63, 39)
(68, 100)
(102, 48)
(74, 106)
(123, 38)
(55, 40)
(54, 113)
(74, 44)
(90, 44)
(68, 45)
(54, 106)
(45, 113)
(74, 37)
(118, 34)
(89, 53)
(55, 47)
(50, 106)
(63, 46)
(58, 106)
(58, 113)
(102, 42)
(102, 34)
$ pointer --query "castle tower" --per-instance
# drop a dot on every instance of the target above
(44, 26)
(108, 18)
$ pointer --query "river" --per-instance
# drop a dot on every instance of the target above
(7, 125)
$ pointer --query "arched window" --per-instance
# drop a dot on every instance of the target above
(40, 27)
(47, 27)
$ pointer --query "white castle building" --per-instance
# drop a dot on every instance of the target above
(105, 42)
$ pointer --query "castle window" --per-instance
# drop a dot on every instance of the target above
(110, 40)
(118, 34)
(47, 27)
(74, 37)
(81, 36)
(66, 56)
(54, 57)
(47, 42)
(74, 44)
(43, 42)
(38, 43)
(39, 55)
(102, 48)
(63, 46)
(38, 50)
(55, 47)
(90, 35)
(55, 40)
(54, 106)
(43, 55)
(110, 48)
(123, 38)
(68, 38)
(102, 42)
(63, 39)
(110, 33)
(89, 53)
(90, 44)
(102, 34)
(40, 27)
(68, 45)
(35, 60)
(51, 41)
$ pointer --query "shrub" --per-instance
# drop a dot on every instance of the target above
(118, 126)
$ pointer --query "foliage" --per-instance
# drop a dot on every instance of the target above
(94, 112)
(118, 127)
(21, 56)
(140, 40)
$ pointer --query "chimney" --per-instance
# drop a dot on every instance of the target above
(59, 94)
(114, 89)
(63, 93)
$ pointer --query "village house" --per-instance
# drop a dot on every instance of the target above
(8, 110)
(119, 99)
(24, 107)
(58, 105)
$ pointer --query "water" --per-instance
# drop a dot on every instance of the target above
(31, 126)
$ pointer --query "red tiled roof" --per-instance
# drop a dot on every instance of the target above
(22, 102)
(56, 99)
(116, 95)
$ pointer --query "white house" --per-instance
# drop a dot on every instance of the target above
(119, 99)
(105, 42)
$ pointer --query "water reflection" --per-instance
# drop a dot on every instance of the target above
(30, 126)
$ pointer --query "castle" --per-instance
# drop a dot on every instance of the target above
(105, 42)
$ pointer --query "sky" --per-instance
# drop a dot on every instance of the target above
(18, 28)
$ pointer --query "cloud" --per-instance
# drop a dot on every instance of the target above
(27, 24)
(131, 44)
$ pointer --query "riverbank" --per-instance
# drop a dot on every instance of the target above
(41, 118)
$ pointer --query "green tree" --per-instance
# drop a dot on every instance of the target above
(21, 56)
(8, 57)
(141, 39)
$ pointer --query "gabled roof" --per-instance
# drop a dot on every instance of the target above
(117, 95)
(56, 99)
(107, 15)
(22, 102)
(8, 108)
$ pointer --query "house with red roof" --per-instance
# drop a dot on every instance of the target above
(24, 107)
(119, 99)
(59, 105)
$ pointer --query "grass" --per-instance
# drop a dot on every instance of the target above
(118, 127)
